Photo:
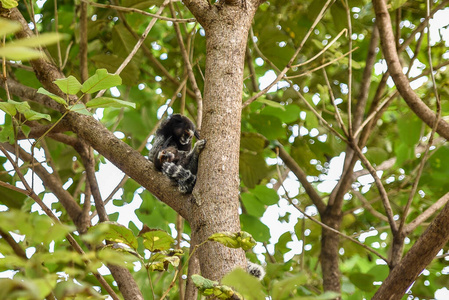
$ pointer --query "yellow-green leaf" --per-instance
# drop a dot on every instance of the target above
(52, 96)
(21, 107)
(8, 4)
(100, 81)
(8, 108)
(36, 41)
(240, 239)
(32, 115)
(69, 85)
(79, 108)
(156, 240)
(8, 27)
(109, 102)
(19, 53)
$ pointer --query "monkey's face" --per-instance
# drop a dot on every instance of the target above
(167, 155)
(186, 136)
(183, 129)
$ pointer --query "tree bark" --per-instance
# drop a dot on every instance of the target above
(417, 258)
(217, 189)
(402, 83)
(329, 257)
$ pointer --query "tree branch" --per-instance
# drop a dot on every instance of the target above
(395, 69)
(302, 177)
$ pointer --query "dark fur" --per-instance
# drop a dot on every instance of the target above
(175, 131)
(181, 166)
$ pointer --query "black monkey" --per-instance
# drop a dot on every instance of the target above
(180, 166)
(176, 131)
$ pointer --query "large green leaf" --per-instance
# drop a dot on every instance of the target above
(409, 129)
(255, 227)
(248, 286)
(362, 281)
(19, 53)
(69, 85)
(6, 26)
(41, 40)
(99, 81)
(156, 239)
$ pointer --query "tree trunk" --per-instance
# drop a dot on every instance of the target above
(329, 251)
(217, 189)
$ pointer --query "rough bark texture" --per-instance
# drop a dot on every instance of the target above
(402, 83)
(216, 193)
(417, 258)
(329, 256)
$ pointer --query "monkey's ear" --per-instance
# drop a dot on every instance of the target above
(197, 135)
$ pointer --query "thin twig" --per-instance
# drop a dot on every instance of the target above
(188, 65)
(137, 46)
(328, 227)
(322, 50)
(380, 187)
(135, 10)
(337, 110)
(292, 59)
(348, 15)
(308, 72)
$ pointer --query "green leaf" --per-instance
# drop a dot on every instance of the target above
(323, 296)
(410, 129)
(109, 102)
(113, 232)
(26, 130)
(8, 108)
(267, 125)
(52, 96)
(20, 53)
(69, 85)
(253, 168)
(8, 27)
(240, 239)
(43, 39)
(255, 227)
(282, 288)
(271, 103)
(120, 234)
(376, 155)
(100, 81)
(212, 288)
(32, 115)
(288, 113)
(160, 261)
(247, 285)
(10, 198)
(79, 108)
(155, 239)
(7, 132)
(252, 205)
(265, 195)
(362, 281)
(21, 107)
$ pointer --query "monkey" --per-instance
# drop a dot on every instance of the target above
(180, 166)
(176, 131)
(167, 154)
